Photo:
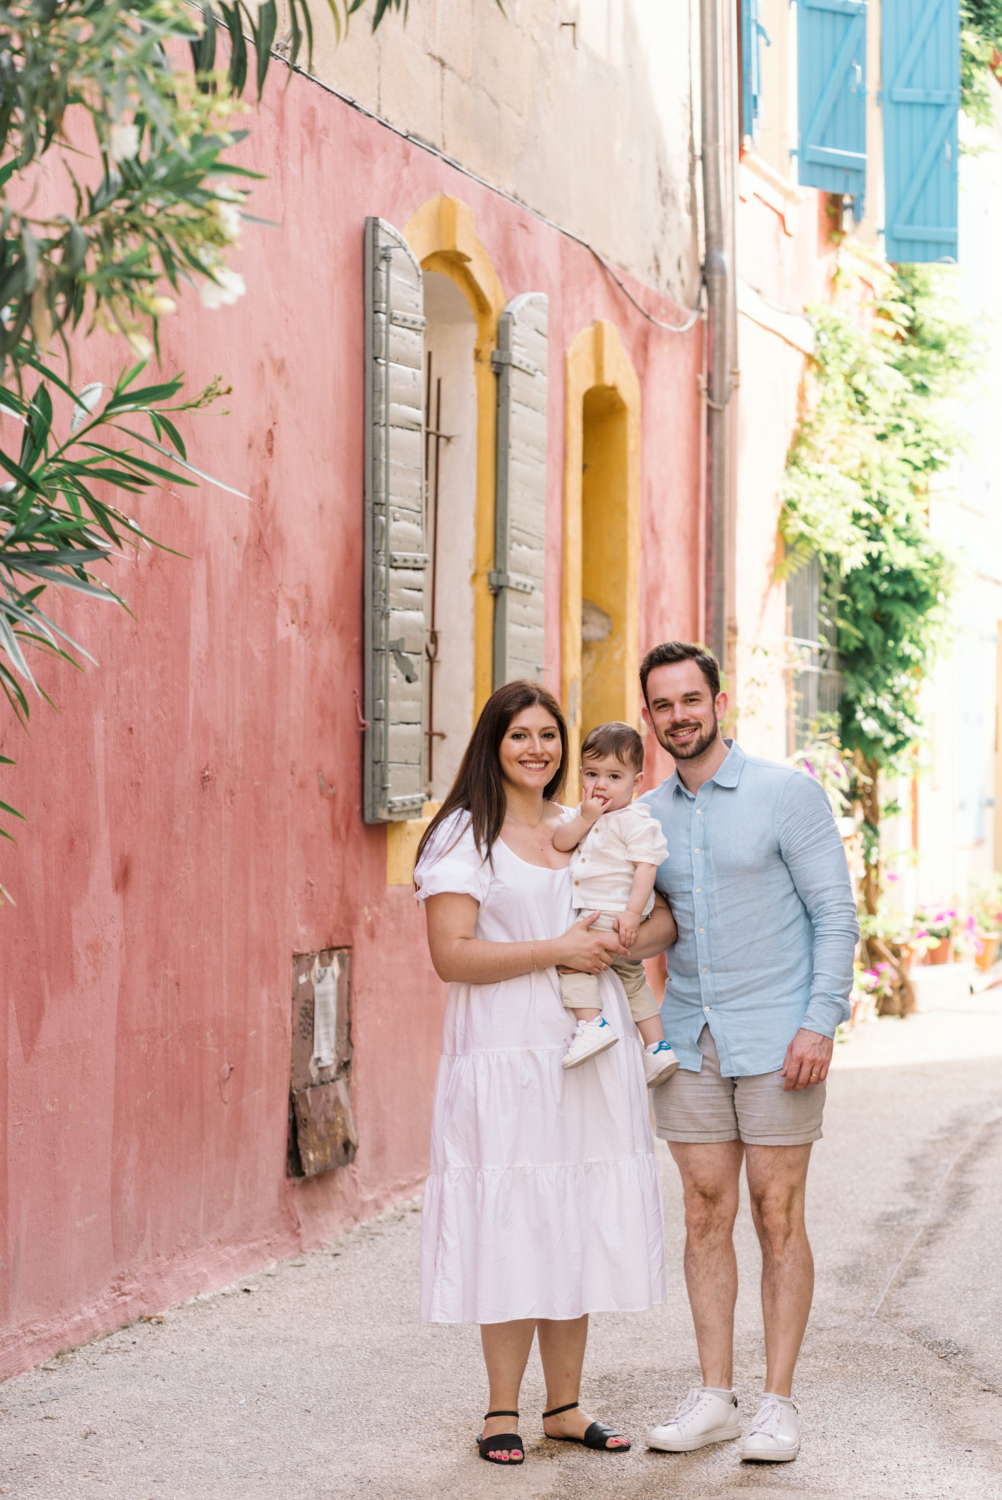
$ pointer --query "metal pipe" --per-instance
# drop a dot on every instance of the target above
(717, 274)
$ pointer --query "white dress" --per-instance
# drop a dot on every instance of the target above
(543, 1198)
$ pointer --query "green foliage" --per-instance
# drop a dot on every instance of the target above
(985, 901)
(821, 757)
(856, 494)
(114, 190)
(980, 38)
(54, 526)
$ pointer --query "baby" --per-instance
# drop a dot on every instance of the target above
(618, 846)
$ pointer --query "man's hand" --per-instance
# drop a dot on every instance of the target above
(808, 1058)
(628, 925)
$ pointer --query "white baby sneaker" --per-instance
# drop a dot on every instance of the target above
(703, 1417)
(591, 1038)
(774, 1435)
(659, 1064)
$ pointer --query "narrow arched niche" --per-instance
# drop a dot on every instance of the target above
(600, 630)
(451, 491)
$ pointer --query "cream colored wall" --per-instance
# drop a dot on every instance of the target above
(579, 108)
(959, 824)
(778, 124)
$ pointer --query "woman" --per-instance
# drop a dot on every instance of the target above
(543, 1202)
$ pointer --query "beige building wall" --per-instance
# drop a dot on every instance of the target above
(581, 109)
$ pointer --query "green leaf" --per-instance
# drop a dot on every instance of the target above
(264, 37)
(238, 48)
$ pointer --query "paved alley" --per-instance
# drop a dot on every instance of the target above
(313, 1379)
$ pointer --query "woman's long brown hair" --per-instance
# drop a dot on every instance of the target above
(479, 786)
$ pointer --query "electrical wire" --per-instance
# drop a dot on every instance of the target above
(692, 316)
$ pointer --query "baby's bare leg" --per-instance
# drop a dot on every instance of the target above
(651, 1030)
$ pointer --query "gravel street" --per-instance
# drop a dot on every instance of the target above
(313, 1378)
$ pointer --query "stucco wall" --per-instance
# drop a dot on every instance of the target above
(194, 807)
(785, 262)
(580, 108)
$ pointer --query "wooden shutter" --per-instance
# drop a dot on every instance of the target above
(831, 95)
(753, 34)
(921, 74)
(396, 556)
(520, 525)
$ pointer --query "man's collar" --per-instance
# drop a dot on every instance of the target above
(727, 774)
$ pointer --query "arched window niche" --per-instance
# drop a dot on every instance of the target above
(464, 299)
(600, 640)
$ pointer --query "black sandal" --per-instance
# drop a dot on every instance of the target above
(503, 1442)
(596, 1436)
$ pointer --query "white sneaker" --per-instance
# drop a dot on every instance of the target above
(704, 1417)
(774, 1436)
(591, 1038)
(659, 1065)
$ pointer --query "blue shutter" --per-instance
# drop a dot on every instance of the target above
(831, 95)
(921, 76)
(753, 33)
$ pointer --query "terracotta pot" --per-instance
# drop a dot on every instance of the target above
(942, 953)
(990, 952)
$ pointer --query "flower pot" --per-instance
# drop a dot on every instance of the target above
(989, 952)
(942, 953)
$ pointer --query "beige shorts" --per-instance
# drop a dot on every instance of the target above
(581, 991)
(702, 1108)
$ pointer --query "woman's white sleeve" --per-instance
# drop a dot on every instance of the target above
(452, 862)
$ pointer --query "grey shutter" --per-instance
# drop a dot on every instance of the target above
(395, 539)
(520, 525)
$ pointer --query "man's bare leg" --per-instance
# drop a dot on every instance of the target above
(710, 1178)
(777, 1179)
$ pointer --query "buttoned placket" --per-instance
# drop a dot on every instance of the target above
(700, 903)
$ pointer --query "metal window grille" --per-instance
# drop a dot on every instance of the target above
(815, 676)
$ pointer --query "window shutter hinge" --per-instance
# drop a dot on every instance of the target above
(499, 581)
(408, 320)
(404, 664)
(502, 357)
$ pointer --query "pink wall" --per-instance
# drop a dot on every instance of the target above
(180, 847)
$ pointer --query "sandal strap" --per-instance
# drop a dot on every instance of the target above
(499, 1414)
(598, 1435)
(556, 1410)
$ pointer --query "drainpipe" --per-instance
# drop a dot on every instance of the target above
(717, 274)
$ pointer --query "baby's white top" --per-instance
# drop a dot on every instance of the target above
(604, 863)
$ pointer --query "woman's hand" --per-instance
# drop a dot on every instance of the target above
(584, 951)
(459, 955)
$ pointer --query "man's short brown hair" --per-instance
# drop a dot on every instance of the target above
(618, 740)
(670, 652)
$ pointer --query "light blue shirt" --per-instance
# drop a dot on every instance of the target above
(757, 879)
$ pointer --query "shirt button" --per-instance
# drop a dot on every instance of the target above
(696, 851)
(701, 929)
(704, 971)
(698, 811)
(699, 889)
(706, 1007)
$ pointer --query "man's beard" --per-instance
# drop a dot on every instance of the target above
(697, 746)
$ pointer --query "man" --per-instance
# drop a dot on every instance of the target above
(758, 982)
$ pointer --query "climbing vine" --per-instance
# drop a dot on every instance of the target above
(874, 435)
(980, 45)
